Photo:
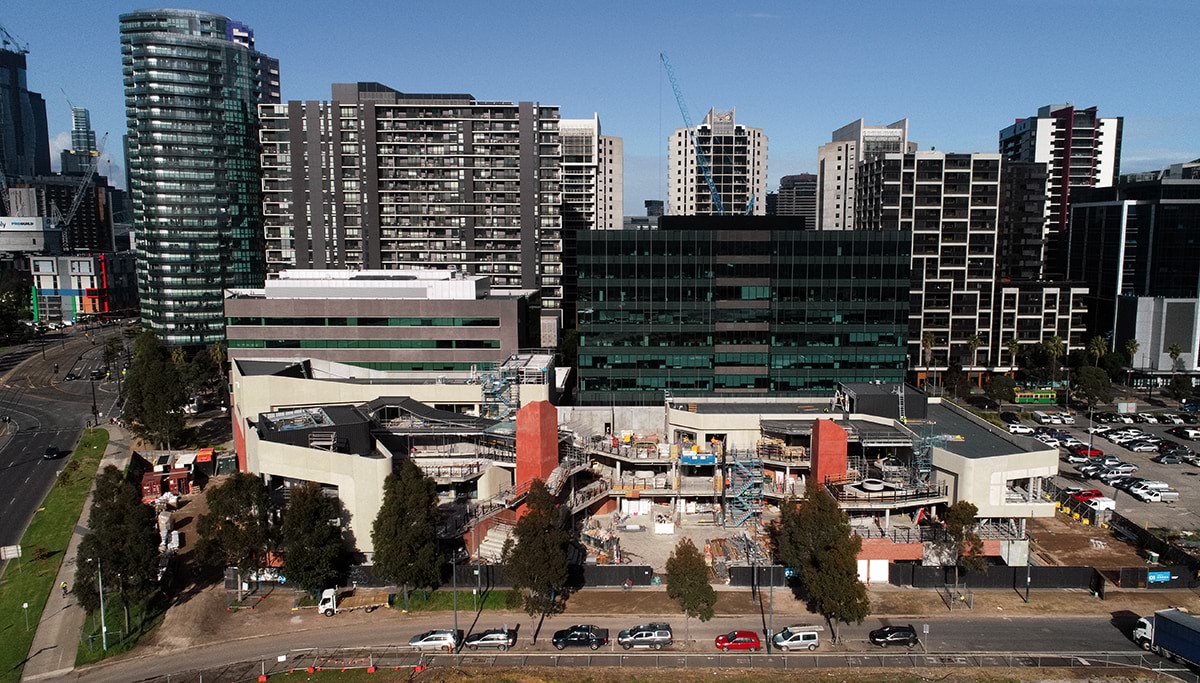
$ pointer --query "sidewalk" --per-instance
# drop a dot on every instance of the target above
(56, 643)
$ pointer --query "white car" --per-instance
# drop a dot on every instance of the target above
(1099, 429)
(438, 639)
(1172, 418)
(1124, 419)
(1150, 419)
(1018, 428)
(1048, 440)
(1067, 418)
(1071, 441)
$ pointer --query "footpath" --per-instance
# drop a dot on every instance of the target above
(56, 642)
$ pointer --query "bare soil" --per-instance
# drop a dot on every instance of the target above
(1063, 541)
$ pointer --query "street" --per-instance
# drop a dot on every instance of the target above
(44, 410)
(948, 634)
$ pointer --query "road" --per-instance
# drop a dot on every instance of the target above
(946, 634)
(45, 410)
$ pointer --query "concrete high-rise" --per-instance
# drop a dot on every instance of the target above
(1080, 150)
(78, 158)
(592, 176)
(798, 197)
(380, 179)
(737, 158)
(193, 84)
(24, 137)
(837, 166)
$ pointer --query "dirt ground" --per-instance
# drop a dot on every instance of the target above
(1063, 541)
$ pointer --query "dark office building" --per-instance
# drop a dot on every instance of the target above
(1021, 239)
(738, 306)
(1139, 238)
(24, 137)
(91, 226)
(798, 197)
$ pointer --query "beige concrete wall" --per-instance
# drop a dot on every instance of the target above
(982, 481)
(359, 479)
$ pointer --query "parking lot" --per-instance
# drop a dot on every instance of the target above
(1181, 515)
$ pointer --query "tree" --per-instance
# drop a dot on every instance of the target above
(1001, 389)
(405, 530)
(236, 532)
(154, 393)
(121, 539)
(1174, 351)
(687, 584)
(1131, 349)
(815, 541)
(959, 543)
(927, 341)
(1014, 349)
(955, 380)
(535, 558)
(310, 538)
(14, 307)
(973, 343)
(1096, 349)
(1055, 350)
(1094, 386)
(112, 352)
(1180, 387)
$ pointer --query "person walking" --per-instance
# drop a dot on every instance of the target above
(64, 589)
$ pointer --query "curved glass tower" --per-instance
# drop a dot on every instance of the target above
(193, 83)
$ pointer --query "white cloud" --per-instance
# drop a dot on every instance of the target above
(111, 159)
(58, 143)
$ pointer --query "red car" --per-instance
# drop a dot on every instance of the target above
(1089, 494)
(1082, 449)
(738, 640)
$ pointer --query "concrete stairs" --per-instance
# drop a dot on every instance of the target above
(492, 545)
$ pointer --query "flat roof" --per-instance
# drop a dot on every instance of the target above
(765, 408)
(282, 368)
(312, 417)
(978, 441)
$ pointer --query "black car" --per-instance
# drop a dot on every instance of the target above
(96, 374)
(895, 635)
(71, 376)
(499, 638)
(580, 635)
(983, 403)
(51, 453)
(1009, 418)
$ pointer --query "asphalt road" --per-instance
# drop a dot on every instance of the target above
(44, 410)
(946, 634)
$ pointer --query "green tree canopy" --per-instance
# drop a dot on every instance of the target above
(815, 540)
(236, 531)
(1093, 385)
(405, 530)
(1001, 388)
(122, 539)
(960, 544)
(687, 583)
(535, 558)
(310, 537)
(1096, 348)
(154, 392)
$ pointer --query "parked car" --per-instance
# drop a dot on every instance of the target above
(1067, 418)
(1018, 428)
(1167, 459)
(1142, 447)
(1148, 418)
(651, 636)
(1048, 440)
(1077, 458)
(498, 638)
(983, 403)
(1082, 449)
(1099, 429)
(1171, 418)
(1156, 495)
(1069, 441)
(1102, 503)
(738, 640)
(894, 635)
(1125, 483)
(1009, 418)
(580, 635)
(798, 638)
(437, 639)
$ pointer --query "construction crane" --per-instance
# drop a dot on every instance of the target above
(701, 157)
(81, 189)
(9, 42)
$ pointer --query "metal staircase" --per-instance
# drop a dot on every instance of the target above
(743, 490)
(501, 394)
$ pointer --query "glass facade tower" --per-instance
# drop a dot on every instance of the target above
(193, 83)
(738, 306)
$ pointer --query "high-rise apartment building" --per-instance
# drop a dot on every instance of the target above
(193, 84)
(592, 176)
(1022, 239)
(79, 157)
(737, 159)
(798, 197)
(380, 179)
(837, 166)
(1080, 150)
(24, 137)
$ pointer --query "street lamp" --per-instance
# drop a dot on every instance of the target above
(95, 410)
(103, 621)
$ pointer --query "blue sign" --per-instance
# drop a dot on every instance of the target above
(1158, 577)
(700, 459)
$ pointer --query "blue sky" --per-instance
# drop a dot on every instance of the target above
(958, 70)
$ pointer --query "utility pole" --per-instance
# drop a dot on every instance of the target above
(103, 621)
(95, 410)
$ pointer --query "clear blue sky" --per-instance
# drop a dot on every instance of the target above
(958, 70)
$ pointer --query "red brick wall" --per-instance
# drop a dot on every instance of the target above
(829, 444)
(885, 549)
(239, 439)
(537, 441)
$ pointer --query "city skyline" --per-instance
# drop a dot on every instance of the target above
(769, 72)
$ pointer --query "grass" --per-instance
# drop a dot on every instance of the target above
(143, 618)
(442, 601)
(30, 579)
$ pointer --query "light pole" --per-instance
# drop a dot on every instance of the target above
(95, 410)
(103, 621)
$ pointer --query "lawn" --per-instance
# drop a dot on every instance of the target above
(443, 600)
(143, 618)
(30, 579)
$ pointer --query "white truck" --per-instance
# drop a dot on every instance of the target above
(1172, 633)
(368, 600)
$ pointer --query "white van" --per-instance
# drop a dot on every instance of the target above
(1042, 418)
(798, 638)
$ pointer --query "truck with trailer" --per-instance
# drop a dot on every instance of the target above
(334, 601)
(1172, 633)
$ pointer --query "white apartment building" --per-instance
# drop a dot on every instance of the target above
(593, 176)
(737, 157)
(837, 166)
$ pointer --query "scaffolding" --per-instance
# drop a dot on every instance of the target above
(743, 489)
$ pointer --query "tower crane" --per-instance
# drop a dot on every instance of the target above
(9, 42)
(81, 189)
(701, 157)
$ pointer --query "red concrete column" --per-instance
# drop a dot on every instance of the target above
(829, 447)
(537, 441)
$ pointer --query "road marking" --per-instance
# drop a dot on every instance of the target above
(27, 480)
